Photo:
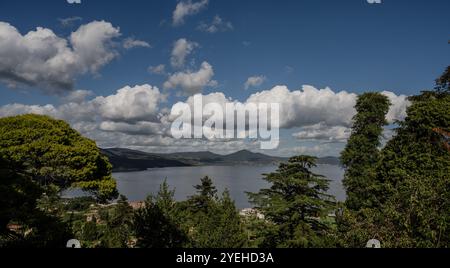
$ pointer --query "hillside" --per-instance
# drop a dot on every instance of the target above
(132, 160)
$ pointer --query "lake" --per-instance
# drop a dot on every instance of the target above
(237, 179)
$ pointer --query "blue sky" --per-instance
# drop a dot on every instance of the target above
(399, 46)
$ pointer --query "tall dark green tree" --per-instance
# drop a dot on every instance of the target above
(415, 177)
(157, 225)
(218, 225)
(412, 181)
(206, 193)
(297, 204)
(361, 154)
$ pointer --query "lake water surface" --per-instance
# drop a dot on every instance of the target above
(237, 179)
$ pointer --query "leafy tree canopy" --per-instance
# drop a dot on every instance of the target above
(296, 203)
(51, 152)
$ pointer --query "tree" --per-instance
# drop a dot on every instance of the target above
(361, 154)
(230, 225)
(412, 178)
(219, 227)
(22, 223)
(415, 177)
(206, 193)
(156, 224)
(297, 204)
(49, 152)
(119, 225)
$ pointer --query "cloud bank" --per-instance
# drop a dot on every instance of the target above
(137, 117)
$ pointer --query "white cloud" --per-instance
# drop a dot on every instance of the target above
(255, 81)
(323, 132)
(309, 106)
(187, 8)
(159, 69)
(181, 49)
(399, 103)
(41, 58)
(130, 43)
(17, 109)
(216, 25)
(91, 44)
(192, 82)
(322, 112)
(131, 104)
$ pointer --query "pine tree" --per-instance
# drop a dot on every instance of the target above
(220, 227)
(157, 225)
(297, 204)
(206, 193)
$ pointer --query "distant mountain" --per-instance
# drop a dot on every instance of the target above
(247, 156)
(132, 160)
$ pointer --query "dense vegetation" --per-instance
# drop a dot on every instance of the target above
(398, 194)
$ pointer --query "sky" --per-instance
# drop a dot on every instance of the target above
(113, 69)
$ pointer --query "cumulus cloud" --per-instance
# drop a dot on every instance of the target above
(181, 49)
(309, 106)
(255, 81)
(130, 43)
(41, 58)
(159, 69)
(192, 82)
(131, 104)
(91, 44)
(321, 114)
(216, 25)
(185, 9)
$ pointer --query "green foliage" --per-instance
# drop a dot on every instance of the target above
(33, 227)
(119, 225)
(50, 152)
(217, 224)
(362, 151)
(295, 204)
(411, 181)
(414, 175)
(206, 194)
(156, 224)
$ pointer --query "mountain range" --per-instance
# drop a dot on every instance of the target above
(124, 160)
